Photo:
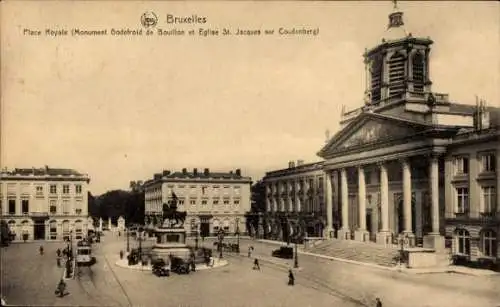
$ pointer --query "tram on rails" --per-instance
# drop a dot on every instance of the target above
(84, 253)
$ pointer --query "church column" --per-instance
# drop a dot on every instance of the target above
(329, 204)
(434, 239)
(361, 234)
(384, 235)
(407, 212)
(344, 232)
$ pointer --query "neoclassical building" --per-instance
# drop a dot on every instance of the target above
(410, 163)
(213, 201)
(299, 192)
(44, 203)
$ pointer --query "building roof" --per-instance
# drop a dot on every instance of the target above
(200, 175)
(45, 171)
(294, 170)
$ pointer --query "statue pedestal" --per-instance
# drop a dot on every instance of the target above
(170, 241)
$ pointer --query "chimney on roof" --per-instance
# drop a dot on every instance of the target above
(238, 172)
(46, 168)
(157, 176)
(195, 171)
(300, 162)
(206, 172)
(166, 173)
(184, 171)
(291, 164)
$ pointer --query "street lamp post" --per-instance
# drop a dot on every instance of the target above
(196, 238)
(128, 239)
(404, 240)
(221, 237)
(296, 260)
(238, 234)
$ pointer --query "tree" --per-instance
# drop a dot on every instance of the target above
(258, 198)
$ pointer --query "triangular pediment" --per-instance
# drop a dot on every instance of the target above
(370, 129)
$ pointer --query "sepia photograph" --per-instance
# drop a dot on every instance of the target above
(250, 153)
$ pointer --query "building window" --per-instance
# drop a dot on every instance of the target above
(226, 226)
(488, 199)
(489, 243)
(204, 202)
(216, 225)
(462, 200)
(181, 202)
(396, 74)
(461, 165)
(203, 190)
(418, 72)
(488, 163)
(53, 230)
(12, 206)
(237, 190)
(78, 211)
(226, 202)
(192, 202)
(368, 178)
(462, 238)
(78, 189)
(53, 189)
(216, 190)
(65, 205)
(236, 202)
(216, 202)
(52, 207)
(25, 206)
(65, 189)
(39, 190)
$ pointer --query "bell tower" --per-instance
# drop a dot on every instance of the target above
(398, 66)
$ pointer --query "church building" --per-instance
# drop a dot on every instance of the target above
(409, 164)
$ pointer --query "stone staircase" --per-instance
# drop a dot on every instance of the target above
(357, 251)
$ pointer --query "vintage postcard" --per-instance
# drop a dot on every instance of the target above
(250, 153)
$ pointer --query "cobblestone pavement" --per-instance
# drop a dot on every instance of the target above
(364, 283)
(30, 279)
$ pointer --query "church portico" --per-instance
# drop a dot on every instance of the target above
(387, 200)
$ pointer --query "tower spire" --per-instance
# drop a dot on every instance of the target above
(395, 2)
(396, 17)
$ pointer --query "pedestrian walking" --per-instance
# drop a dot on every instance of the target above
(250, 249)
(61, 288)
(58, 252)
(41, 250)
(378, 302)
(58, 261)
(121, 254)
(256, 265)
(291, 278)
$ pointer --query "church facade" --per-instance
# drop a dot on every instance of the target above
(410, 165)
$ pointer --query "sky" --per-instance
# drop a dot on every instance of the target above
(121, 108)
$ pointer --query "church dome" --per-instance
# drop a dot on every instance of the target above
(396, 29)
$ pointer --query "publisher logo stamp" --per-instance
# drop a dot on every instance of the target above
(149, 19)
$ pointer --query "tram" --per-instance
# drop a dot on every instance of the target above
(84, 253)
